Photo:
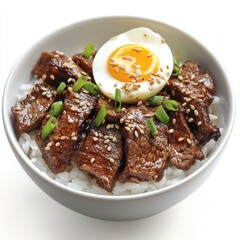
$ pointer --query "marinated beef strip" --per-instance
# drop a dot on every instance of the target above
(146, 156)
(59, 147)
(84, 63)
(28, 113)
(195, 92)
(100, 154)
(184, 149)
(54, 67)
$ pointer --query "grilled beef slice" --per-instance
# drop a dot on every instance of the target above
(146, 156)
(195, 92)
(54, 67)
(184, 149)
(59, 147)
(84, 63)
(100, 154)
(28, 113)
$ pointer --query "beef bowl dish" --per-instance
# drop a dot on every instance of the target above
(108, 122)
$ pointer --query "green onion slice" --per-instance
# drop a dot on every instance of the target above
(152, 127)
(161, 115)
(101, 115)
(56, 108)
(61, 87)
(92, 88)
(176, 67)
(79, 83)
(156, 100)
(89, 50)
(118, 103)
(48, 128)
(171, 105)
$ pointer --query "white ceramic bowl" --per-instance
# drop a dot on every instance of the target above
(69, 40)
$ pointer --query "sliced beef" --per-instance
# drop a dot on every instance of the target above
(195, 90)
(100, 154)
(28, 113)
(59, 147)
(54, 67)
(146, 156)
(184, 149)
(84, 63)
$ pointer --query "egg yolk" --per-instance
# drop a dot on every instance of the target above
(132, 63)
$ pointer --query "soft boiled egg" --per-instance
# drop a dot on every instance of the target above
(138, 62)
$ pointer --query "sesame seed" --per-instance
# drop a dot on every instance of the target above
(174, 121)
(106, 137)
(73, 134)
(116, 69)
(150, 55)
(190, 120)
(201, 80)
(171, 130)
(136, 133)
(47, 148)
(106, 141)
(74, 138)
(114, 139)
(108, 126)
(192, 76)
(141, 131)
(195, 112)
(111, 160)
(44, 93)
(127, 129)
(184, 104)
(63, 137)
(180, 77)
(189, 141)
(109, 148)
(92, 160)
(139, 103)
(49, 144)
(57, 144)
(96, 134)
(44, 76)
(188, 111)
(199, 123)
(52, 77)
(95, 139)
(116, 126)
(187, 99)
(130, 117)
(100, 135)
(18, 108)
(115, 84)
(180, 139)
(192, 107)
(121, 120)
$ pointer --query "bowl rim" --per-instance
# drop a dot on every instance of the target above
(24, 158)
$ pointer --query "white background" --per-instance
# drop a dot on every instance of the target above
(209, 213)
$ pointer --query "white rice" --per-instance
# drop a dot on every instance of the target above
(79, 180)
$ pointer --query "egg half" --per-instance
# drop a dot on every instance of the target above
(138, 62)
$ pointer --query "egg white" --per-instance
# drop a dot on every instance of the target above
(144, 37)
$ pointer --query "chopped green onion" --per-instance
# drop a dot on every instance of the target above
(92, 88)
(101, 115)
(61, 87)
(171, 105)
(89, 50)
(118, 103)
(176, 67)
(161, 115)
(56, 108)
(48, 128)
(79, 83)
(152, 127)
(156, 100)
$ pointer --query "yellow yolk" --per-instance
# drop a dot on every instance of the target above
(132, 63)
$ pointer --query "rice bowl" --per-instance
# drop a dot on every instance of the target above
(99, 204)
